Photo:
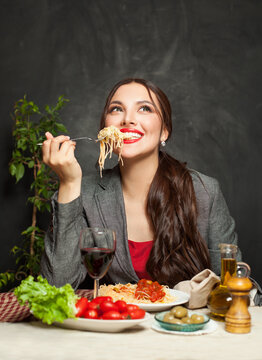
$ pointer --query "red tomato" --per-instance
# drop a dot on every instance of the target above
(106, 306)
(137, 314)
(121, 305)
(91, 314)
(81, 306)
(131, 307)
(111, 315)
(92, 306)
(100, 299)
(125, 315)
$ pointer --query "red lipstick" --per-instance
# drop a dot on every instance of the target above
(125, 130)
(135, 131)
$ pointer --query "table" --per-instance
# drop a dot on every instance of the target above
(35, 340)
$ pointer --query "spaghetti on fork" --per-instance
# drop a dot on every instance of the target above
(110, 137)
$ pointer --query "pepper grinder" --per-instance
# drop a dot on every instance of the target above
(238, 319)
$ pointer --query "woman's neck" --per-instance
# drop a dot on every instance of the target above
(137, 176)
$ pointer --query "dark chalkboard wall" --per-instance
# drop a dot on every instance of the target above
(205, 54)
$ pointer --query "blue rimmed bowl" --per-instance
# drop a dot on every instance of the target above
(181, 327)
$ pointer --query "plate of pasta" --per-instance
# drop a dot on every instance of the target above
(148, 295)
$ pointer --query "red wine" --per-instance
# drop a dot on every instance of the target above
(97, 261)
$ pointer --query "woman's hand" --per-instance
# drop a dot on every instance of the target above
(58, 154)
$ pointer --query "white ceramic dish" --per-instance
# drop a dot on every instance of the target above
(180, 298)
(210, 327)
(100, 325)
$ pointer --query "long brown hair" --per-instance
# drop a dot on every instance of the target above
(178, 251)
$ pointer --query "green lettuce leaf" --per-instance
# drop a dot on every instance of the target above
(48, 303)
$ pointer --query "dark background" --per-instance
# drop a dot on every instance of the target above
(205, 54)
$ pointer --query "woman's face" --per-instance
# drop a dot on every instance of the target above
(131, 110)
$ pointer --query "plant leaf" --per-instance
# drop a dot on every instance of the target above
(12, 169)
(31, 164)
(20, 170)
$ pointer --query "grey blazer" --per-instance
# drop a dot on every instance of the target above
(101, 204)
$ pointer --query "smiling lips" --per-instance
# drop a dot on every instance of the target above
(135, 135)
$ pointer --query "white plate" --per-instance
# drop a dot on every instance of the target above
(100, 325)
(207, 329)
(180, 298)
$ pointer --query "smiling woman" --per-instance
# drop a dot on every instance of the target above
(176, 215)
(134, 109)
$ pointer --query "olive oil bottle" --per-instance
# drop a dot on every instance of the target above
(220, 298)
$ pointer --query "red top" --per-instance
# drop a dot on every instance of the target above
(139, 252)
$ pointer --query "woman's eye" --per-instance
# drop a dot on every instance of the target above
(114, 109)
(145, 108)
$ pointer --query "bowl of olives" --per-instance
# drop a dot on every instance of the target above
(181, 319)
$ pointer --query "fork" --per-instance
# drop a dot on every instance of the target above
(78, 138)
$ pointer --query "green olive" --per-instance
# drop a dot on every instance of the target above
(186, 320)
(168, 316)
(197, 318)
(179, 312)
(176, 321)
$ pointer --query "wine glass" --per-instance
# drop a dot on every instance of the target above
(97, 247)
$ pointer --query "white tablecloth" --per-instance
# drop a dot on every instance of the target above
(37, 341)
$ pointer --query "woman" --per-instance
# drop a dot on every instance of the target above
(168, 219)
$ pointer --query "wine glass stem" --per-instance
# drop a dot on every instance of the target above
(96, 286)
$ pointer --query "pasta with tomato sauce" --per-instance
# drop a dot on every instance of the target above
(144, 292)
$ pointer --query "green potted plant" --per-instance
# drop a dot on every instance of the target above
(30, 125)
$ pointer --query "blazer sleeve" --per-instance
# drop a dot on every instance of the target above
(61, 260)
(221, 227)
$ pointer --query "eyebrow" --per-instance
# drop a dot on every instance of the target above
(116, 102)
(138, 102)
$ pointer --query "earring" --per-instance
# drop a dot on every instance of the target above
(163, 143)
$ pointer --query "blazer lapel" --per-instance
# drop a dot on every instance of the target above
(110, 204)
